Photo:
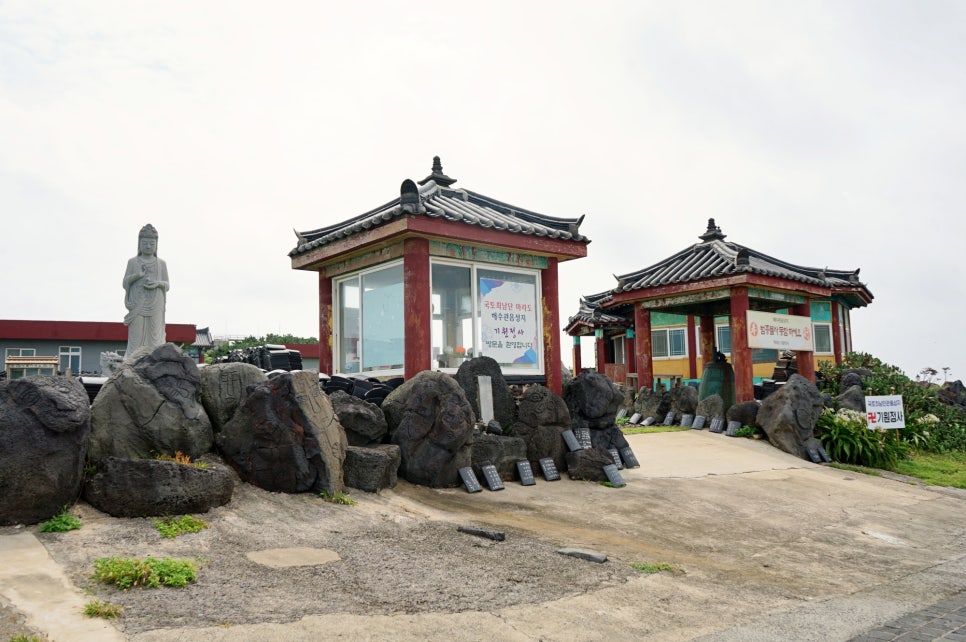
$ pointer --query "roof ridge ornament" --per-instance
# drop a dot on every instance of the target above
(713, 233)
(437, 175)
(409, 199)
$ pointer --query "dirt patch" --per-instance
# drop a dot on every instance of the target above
(390, 562)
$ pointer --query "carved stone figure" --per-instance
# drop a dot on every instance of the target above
(145, 289)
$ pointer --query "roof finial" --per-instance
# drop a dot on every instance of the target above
(438, 176)
(713, 233)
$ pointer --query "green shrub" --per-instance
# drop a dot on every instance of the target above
(61, 523)
(149, 572)
(930, 424)
(745, 431)
(655, 567)
(847, 439)
(173, 526)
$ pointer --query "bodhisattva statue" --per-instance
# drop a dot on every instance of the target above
(145, 287)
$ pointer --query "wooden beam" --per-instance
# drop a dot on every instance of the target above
(416, 307)
(551, 326)
(740, 352)
(325, 324)
(642, 340)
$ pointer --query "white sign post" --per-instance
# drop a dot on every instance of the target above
(779, 331)
(885, 411)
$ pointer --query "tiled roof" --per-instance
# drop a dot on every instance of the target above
(715, 257)
(434, 198)
(203, 338)
(591, 315)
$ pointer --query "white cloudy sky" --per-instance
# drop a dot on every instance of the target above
(825, 133)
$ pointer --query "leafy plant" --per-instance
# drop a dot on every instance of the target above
(337, 498)
(254, 342)
(149, 572)
(655, 567)
(930, 424)
(61, 523)
(745, 431)
(105, 610)
(171, 527)
(846, 437)
(610, 484)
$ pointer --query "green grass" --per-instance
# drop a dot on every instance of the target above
(936, 469)
(856, 469)
(149, 572)
(644, 430)
(655, 567)
(60, 523)
(337, 498)
(23, 637)
(105, 610)
(173, 526)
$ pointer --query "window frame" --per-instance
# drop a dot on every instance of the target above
(678, 330)
(831, 338)
(337, 323)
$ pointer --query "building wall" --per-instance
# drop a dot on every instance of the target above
(90, 350)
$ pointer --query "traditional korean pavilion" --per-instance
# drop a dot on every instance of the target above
(438, 275)
(666, 319)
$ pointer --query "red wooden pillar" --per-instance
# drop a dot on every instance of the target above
(837, 332)
(692, 353)
(325, 324)
(416, 306)
(707, 340)
(629, 354)
(740, 352)
(549, 283)
(576, 355)
(600, 349)
(805, 359)
(642, 341)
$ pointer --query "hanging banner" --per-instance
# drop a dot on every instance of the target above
(885, 411)
(779, 331)
(509, 322)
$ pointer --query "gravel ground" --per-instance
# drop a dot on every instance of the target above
(391, 563)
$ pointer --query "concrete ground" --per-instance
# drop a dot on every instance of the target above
(766, 547)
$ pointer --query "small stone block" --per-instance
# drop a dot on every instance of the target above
(699, 422)
(649, 421)
(525, 472)
(614, 476)
(492, 477)
(716, 425)
(622, 413)
(635, 418)
(583, 437)
(669, 419)
(590, 556)
(496, 536)
(687, 420)
(733, 427)
(469, 480)
(824, 455)
(616, 456)
(630, 461)
(814, 456)
(571, 440)
(550, 472)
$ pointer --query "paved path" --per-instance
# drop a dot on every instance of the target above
(943, 621)
(37, 587)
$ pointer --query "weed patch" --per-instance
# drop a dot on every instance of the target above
(171, 527)
(104, 610)
(61, 523)
(656, 567)
(337, 498)
(148, 572)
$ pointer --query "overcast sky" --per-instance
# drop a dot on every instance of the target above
(823, 133)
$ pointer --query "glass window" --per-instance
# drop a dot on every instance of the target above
(724, 339)
(659, 347)
(618, 344)
(70, 359)
(669, 342)
(371, 327)
(21, 352)
(677, 339)
(823, 337)
(452, 326)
